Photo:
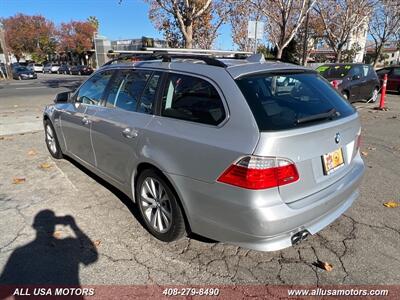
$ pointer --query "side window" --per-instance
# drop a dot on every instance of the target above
(127, 89)
(396, 71)
(193, 99)
(93, 89)
(147, 100)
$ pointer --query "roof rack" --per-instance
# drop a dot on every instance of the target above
(167, 54)
(210, 57)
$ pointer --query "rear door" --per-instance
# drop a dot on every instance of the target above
(322, 148)
(77, 118)
(368, 82)
(356, 82)
(119, 125)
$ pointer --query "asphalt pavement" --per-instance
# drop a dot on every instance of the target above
(105, 243)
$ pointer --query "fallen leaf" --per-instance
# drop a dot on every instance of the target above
(57, 234)
(37, 117)
(323, 265)
(391, 204)
(32, 152)
(15, 105)
(45, 165)
(365, 153)
(1, 137)
(372, 148)
(18, 180)
(97, 243)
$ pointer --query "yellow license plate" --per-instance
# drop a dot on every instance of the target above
(332, 161)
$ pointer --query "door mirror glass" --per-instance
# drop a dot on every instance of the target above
(62, 97)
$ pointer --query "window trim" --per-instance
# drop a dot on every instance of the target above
(209, 80)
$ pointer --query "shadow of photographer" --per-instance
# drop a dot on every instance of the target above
(49, 260)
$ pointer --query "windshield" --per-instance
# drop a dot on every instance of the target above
(334, 71)
(286, 101)
(22, 69)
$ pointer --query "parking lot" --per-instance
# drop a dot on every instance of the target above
(108, 245)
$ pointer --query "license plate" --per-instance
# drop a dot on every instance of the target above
(332, 161)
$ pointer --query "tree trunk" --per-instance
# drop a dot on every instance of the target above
(338, 56)
(377, 55)
(279, 53)
(189, 36)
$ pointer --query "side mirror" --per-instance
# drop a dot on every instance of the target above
(62, 97)
(355, 77)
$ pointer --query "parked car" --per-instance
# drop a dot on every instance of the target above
(355, 81)
(51, 68)
(393, 82)
(64, 69)
(38, 68)
(81, 70)
(21, 73)
(258, 154)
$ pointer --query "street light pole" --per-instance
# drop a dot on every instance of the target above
(305, 41)
(3, 45)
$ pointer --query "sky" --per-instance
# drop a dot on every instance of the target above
(117, 21)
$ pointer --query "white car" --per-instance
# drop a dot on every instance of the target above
(51, 68)
(38, 67)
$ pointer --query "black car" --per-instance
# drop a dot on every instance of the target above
(64, 69)
(81, 70)
(21, 73)
(354, 81)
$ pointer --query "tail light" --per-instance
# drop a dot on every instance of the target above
(257, 172)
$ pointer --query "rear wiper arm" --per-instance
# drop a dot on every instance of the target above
(326, 115)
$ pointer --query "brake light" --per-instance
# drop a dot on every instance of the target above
(257, 172)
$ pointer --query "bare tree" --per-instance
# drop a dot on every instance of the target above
(341, 18)
(384, 25)
(240, 13)
(185, 13)
(283, 19)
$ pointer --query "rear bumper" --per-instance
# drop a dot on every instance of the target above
(259, 219)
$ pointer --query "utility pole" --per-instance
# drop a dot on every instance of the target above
(305, 41)
(3, 45)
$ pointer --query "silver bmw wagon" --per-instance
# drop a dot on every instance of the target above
(245, 151)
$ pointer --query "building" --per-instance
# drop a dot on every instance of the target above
(390, 54)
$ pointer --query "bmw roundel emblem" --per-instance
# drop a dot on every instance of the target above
(337, 138)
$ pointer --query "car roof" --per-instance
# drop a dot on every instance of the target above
(235, 67)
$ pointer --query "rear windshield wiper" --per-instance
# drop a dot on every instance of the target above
(322, 116)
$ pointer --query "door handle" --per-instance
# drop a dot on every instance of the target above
(130, 133)
(86, 120)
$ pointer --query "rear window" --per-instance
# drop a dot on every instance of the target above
(337, 71)
(287, 101)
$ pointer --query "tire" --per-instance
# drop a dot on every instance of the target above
(374, 96)
(52, 145)
(162, 214)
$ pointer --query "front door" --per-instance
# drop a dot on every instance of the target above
(119, 125)
(76, 119)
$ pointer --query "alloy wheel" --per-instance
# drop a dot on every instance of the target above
(50, 139)
(155, 205)
(374, 95)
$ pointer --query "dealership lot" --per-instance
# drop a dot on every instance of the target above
(362, 245)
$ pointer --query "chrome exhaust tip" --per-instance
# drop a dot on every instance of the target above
(299, 236)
